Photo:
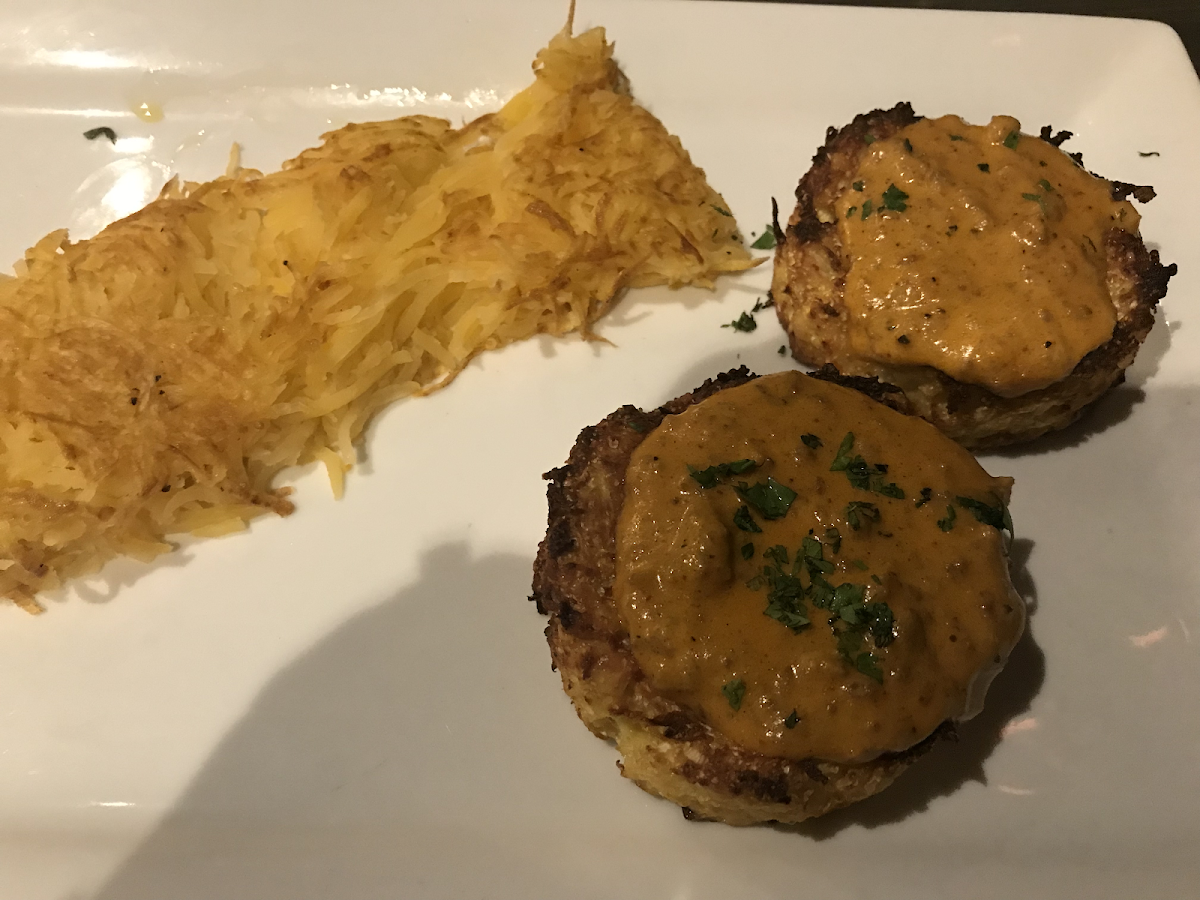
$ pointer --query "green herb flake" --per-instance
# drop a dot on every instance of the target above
(947, 523)
(894, 199)
(791, 721)
(984, 167)
(785, 593)
(744, 322)
(782, 349)
(833, 540)
(877, 580)
(1149, 153)
(866, 208)
(1011, 140)
(811, 441)
(748, 551)
(710, 477)
(859, 564)
(777, 554)
(1036, 198)
(957, 137)
(743, 520)
(766, 240)
(926, 496)
(865, 663)
(760, 305)
(908, 145)
(734, 692)
(770, 499)
(723, 212)
(858, 510)
(842, 460)
(1046, 186)
(103, 131)
(858, 185)
(996, 516)
(851, 211)
(868, 139)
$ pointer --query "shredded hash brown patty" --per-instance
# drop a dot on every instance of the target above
(665, 748)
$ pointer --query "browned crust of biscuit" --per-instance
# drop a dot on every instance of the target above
(810, 271)
(666, 749)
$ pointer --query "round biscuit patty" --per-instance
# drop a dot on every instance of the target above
(665, 748)
(808, 286)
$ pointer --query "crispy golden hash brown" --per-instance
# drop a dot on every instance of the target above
(155, 378)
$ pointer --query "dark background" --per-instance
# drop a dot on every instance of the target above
(1182, 15)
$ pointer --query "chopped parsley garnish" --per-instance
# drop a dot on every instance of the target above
(743, 520)
(791, 721)
(858, 185)
(865, 663)
(957, 137)
(894, 199)
(996, 516)
(862, 475)
(859, 564)
(868, 138)
(984, 167)
(760, 305)
(855, 622)
(811, 441)
(866, 208)
(851, 211)
(908, 145)
(782, 349)
(744, 322)
(710, 477)
(734, 692)
(723, 212)
(1011, 141)
(1046, 186)
(766, 240)
(833, 539)
(858, 510)
(813, 557)
(770, 499)
(785, 592)
(104, 131)
(748, 551)
(926, 496)
(948, 523)
(1149, 153)
(1036, 198)
(842, 460)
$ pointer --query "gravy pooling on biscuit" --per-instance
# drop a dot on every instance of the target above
(978, 251)
(812, 572)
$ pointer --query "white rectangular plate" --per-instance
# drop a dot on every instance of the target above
(357, 701)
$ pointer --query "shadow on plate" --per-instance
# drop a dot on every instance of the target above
(950, 764)
(314, 791)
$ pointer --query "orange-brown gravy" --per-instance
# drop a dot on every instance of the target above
(691, 590)
(979, 251)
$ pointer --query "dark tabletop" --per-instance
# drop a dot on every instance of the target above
(1182, 15)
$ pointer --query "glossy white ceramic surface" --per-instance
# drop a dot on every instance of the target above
(357, 701)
